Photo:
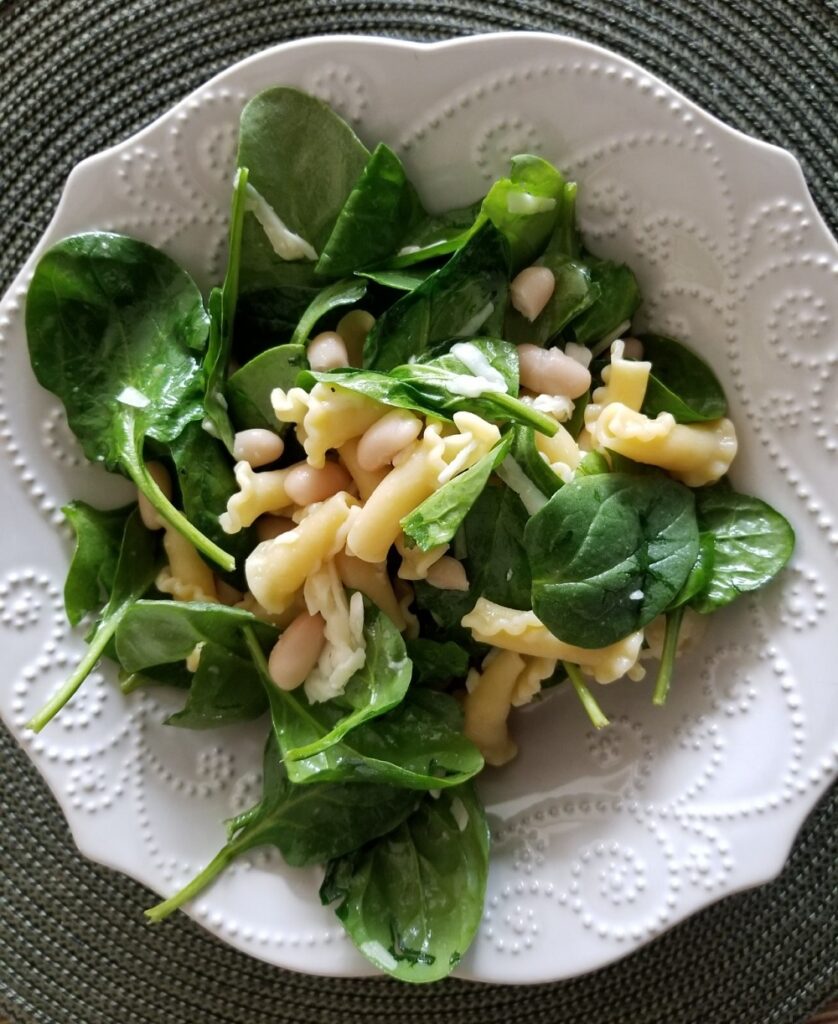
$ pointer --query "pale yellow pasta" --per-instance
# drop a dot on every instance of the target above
(405, 595)
(258, 493)
(475, 438)
(193, 659)
(372, 580)
(187, 577)
(284, 619)
(344, 651)
(407, 485)
(416, 562)
(625, 380)
(523, 632)
(329, 416)
(696, 453)
(365, 480)
(276, 569)
(487, 705)
(528, 683)
(561, 452)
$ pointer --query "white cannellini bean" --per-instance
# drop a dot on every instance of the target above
(354, 328)
(380, 444)
(148, 513)
(531, 289)
(257, 446)
(548, 371)
(305, 484)
(448, 574)
(268, 526)
(632, 348)
(327, 351)
(296, 652)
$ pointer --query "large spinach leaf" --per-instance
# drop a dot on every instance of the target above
(497, 562)
(436, 663)
(438, 518)
(680, 383)
(249, 389)
(413, 899)
(463, 299)
(381, 209)
(608, 553)
(99, 534)
(115, 330)
(137, 565)
(752, 543)
(307, 824)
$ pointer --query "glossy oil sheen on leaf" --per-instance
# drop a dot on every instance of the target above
(608, 553)
(412, 900)
(752, 543)
(681, 383)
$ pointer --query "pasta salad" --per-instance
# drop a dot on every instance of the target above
(399, 474)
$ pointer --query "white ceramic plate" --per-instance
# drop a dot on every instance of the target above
(601, 841)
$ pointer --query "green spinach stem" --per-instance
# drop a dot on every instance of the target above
(670, 647)
(595, 712)
(225, 856)
(523, 413)
(83, 670)
(145, 482)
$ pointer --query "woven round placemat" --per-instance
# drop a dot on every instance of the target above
(77, 76)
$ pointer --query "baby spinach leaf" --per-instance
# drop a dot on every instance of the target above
(616, 298)
(224, 688)
(271, 303)
(438, 518)
(341, 293)
(307, 824)
(375, 688)
(752, 543)
(436, 235)
(206, 482)
(529, 459)
(608, 553)
(459, 300)
(498, 567)
(136, 567)
(399, 280)
(115, 329)
(593, 463)
(222, 311)
(380, 210)
(573, 293)
(412, 900)
(418, 745)
(680, 383)
(160, 632)
(577, 421)
(90, 578)
(436, 664)
(701, 572)
(565, 241)
(440, 612)
(303, 159)
(249, 389)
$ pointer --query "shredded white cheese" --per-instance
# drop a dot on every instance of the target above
(285, 243)
(526, 203)
(473, 387)
(130, 396)
(515, 478)
(460, 813)
(636, 595)
(471, 357)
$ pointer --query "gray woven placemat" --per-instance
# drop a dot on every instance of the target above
(77, 76)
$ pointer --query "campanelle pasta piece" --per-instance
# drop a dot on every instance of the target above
(277, 568)
(345, 649)
(528, 683)
(625, 380)
(295, 606)
(365, 480)
(416, 562)
(328, 414)
(561, 452)
(258, 493)
(487, 705)
(187, 577)
(372, 580)
(695, 453)
(523, 632)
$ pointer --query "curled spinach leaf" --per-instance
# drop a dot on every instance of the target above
(115, 330)
(680, 383)
(616, 298)
(529, 459)
(99, 534)
(608, 553)
(341, 293)
(381, 209)
(307, 824)
(412, 900)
